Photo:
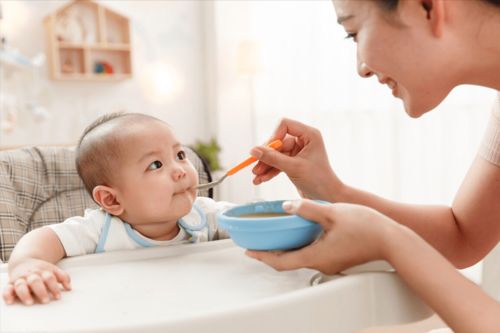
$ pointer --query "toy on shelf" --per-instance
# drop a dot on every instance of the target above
(102, 67)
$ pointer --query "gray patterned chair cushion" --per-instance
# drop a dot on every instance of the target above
(40, 186)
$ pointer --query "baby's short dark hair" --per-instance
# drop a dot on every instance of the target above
(98, 153)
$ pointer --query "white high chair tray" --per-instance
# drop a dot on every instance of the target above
(210, 287)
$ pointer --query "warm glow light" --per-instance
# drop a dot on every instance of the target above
(249, 62)
(160, 82)
(15, 14)
(163, 82)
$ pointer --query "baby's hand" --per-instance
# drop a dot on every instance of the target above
(35, 279)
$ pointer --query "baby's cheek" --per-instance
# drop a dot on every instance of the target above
(192, 193)
(193, 175)
(187, 205)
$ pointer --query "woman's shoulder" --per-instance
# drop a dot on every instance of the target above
(490, 147)
(496, 108)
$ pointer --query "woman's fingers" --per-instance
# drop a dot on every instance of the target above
(307, 256)
(287, 148)
(273, 158)
(264, 172)
(292, 127)
(280, 261)
(288, 260)
(289, 158)
(265, 177)
(313, 211)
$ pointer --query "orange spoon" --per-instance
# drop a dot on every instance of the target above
(275, 145)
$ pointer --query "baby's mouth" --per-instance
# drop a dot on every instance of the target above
(185, 190)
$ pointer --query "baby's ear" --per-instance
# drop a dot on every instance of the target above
(106, 197)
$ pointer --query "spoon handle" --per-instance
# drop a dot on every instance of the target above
(275, 145)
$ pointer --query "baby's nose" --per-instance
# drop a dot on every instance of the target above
(178, 173)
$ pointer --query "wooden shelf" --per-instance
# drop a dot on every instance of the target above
(87, 41)
(93, 77)
(94, 46)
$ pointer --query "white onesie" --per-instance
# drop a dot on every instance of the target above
(98, 231)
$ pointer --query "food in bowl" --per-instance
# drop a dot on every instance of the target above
(265, 226)
(261, 215)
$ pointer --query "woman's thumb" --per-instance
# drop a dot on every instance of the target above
(272, 158)
(310, 210)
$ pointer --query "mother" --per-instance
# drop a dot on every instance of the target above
(421, 49)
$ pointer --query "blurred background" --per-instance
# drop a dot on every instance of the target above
(223, 73)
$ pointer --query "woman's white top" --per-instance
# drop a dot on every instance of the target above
(97, 231)
(490, 148)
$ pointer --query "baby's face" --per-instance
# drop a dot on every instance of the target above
(155, 180)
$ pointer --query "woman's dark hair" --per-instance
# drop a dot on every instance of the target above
(393, 4)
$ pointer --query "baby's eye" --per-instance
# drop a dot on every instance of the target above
(155, 165)
(181, 155)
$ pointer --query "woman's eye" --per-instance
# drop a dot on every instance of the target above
(181, 155)
(351, 35)
(155, 165)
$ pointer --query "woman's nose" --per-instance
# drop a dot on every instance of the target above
(364, 70)
(178, 173)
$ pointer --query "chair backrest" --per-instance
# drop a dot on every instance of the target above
(40, 186)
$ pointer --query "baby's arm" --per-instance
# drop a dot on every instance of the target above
(458, 301)
(32, 270)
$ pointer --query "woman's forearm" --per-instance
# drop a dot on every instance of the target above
(465, 232)
(458, 301)
(436, 224)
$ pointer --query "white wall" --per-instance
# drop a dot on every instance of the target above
(232, 102)
(167, 32)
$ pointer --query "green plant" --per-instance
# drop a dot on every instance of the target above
(210, 152)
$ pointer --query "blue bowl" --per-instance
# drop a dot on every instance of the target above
(267, 233)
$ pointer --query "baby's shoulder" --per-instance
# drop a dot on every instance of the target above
(95, 214)
(91, 216)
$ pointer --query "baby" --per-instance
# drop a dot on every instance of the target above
(138, 173)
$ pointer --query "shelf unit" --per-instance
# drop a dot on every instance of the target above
(87, 41)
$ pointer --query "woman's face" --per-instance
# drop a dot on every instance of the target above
(401, 49)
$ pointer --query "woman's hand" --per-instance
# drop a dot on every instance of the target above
(35, 278)
(302, 157)
(353, 235)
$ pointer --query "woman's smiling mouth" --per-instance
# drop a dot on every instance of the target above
(393, 86)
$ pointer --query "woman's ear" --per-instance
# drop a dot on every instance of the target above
(106, 197)
(435, 14)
